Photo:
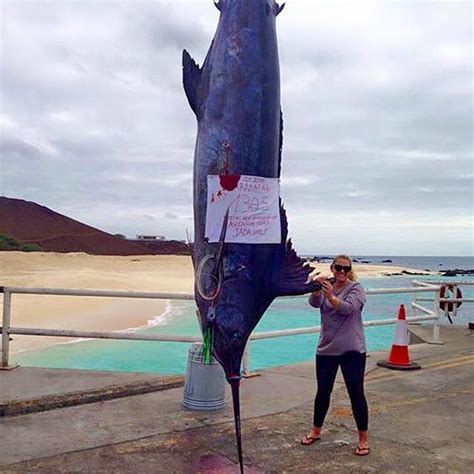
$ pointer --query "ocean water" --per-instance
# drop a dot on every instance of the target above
(284, 313)
(420, 263)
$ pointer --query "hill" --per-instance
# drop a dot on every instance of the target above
(28, 222)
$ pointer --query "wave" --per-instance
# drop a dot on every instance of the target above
(164, 317)
(160, 320)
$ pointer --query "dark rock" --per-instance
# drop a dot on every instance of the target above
(387, 261)
(449, 273)
(456, 271)
(406, 272)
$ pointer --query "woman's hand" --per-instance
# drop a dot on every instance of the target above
(327, 290)
(319, 279)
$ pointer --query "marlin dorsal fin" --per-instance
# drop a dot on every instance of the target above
(191, 79)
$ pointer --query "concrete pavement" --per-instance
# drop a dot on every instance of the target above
(420, 421)
(32, 389)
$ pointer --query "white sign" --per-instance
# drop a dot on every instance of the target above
(254, 210)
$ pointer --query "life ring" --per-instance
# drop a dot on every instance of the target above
(447, 291)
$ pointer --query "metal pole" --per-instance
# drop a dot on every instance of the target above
(436, 338)
(246, 360)
(119, 335)
(455, 300)
(414, 302)
(107, 293)
(6, 327)
(126, 335)
(246, 363)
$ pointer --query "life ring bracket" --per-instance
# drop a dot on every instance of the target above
(452, 293)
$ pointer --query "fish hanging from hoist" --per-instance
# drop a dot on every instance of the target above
(235, 96)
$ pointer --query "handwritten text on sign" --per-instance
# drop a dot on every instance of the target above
(254, 212)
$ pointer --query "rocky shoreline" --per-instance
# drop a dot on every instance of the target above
(455, 272)
(443, 273)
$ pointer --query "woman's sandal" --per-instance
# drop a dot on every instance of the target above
(360, 451)
(306, 440)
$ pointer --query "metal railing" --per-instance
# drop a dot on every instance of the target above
(7, 329)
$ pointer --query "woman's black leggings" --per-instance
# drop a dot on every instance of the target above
(353, 370)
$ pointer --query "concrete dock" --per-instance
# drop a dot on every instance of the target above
(420, 421)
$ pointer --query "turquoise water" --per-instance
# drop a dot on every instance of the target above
(434, 263)
(171, 358)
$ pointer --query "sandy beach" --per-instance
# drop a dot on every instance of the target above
(157, 273)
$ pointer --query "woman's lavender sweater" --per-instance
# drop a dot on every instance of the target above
(341, 328)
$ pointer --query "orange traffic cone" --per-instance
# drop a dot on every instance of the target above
(398, 358)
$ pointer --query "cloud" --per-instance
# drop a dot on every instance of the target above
(377, 101)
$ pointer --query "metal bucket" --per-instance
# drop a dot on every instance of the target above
(205, 384)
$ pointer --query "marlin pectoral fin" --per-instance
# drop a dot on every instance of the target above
(191, 79)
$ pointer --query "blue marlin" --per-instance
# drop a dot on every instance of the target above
(235, 96)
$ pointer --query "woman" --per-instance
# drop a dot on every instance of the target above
(341, 343)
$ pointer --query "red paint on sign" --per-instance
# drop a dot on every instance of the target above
(229, 182)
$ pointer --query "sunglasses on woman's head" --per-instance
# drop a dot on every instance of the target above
(339, 268)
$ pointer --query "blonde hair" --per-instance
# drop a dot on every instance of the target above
(351, 275)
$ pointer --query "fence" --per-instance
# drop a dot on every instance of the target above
(418, 287)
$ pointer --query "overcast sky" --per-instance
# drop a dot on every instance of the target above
(377, 100)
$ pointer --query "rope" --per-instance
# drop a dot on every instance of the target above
(199, 283)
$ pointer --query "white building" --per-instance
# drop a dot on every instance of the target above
(150, 237)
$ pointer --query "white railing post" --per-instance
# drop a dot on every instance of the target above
(7, 303)
(246, 360)
(414, 303)
(455, 303)
(436, 310)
